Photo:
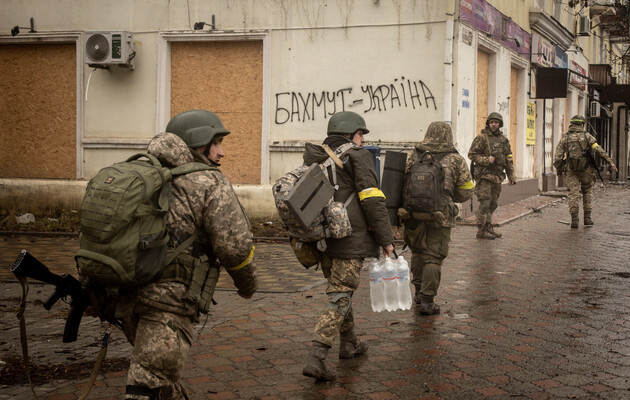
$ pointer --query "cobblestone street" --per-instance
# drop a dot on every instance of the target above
(542, 313)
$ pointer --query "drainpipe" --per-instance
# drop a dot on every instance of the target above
(448, 60)
(620, 130)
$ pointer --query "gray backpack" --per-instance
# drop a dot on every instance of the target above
(304, 200)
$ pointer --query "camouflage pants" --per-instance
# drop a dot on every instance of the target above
(337, 316)
(429, 247)
(580, 183)
(488, 196)
(161, 343)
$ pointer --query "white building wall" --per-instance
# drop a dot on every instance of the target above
(383, 59)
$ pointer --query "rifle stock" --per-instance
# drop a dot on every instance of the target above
(27, 266)
(591, 160)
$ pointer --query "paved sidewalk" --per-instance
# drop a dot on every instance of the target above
(540, 314)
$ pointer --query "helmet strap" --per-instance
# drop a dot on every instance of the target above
(206, 150)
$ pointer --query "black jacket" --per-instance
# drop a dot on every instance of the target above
(370, 224)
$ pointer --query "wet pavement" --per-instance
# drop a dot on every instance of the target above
(542, 313)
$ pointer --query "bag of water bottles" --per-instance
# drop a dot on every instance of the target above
(389, 284)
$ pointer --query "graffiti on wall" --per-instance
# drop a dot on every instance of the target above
(400, 93)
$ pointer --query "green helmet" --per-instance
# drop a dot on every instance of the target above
(497, 116)
(346, 122)
(578, 119)
(196, 127)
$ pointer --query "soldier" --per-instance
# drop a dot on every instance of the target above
(158, 318)
(343, 258)
(492, 157)
(428, 235)
(571, 156)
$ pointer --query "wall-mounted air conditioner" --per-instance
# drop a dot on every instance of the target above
(103, 49)
(595, 109)
(584, 26)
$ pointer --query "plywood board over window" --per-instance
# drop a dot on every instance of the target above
(482, 89)
(38, 111)
(224, 77)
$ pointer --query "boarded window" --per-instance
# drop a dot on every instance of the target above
(224, 77)
(482, 89)
(38, 111)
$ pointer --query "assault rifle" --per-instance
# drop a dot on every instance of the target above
(591, 160)
(27, 266)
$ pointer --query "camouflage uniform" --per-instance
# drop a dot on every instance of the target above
(343, 258)
(579, 181)
(158, 319)
(428, 236)
(490, 176)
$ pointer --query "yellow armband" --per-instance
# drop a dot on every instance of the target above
(370, 192)
(246, 262)
(467, 185)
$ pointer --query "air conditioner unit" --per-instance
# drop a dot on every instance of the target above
(584, 26)
(103, 49)
(595, 110)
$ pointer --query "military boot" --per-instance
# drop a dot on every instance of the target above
(428, 307)
(482, 233)
(575, 221)
(490, 230)
(350, 346)
(417, 298)
(316, 364)
(587, 218)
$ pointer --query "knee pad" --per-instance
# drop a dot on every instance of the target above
(340, 302)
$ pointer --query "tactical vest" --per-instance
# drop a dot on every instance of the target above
(497, 149)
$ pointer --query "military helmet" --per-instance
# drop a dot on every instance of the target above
(196, 127)
(346, 122)
(497, 116)
(578, 119)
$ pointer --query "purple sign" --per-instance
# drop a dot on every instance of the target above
(489, 20)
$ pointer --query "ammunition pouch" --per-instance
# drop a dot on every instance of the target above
(577, 164)
(405, 215)
(198, 274)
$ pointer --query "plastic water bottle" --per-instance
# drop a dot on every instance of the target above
(376, 285)
(390, 288)
(404, 292)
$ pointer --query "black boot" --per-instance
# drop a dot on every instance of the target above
(316, 364)
(587, 218)
(350, 346)
(575, 221)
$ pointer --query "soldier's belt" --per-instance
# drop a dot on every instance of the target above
(419, 216)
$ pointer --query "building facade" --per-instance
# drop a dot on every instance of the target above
(275, 71)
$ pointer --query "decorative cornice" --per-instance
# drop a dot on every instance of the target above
(551, 29)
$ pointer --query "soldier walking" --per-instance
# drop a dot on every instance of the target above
(492, 157)
(158, 318)
(428, 234)
(343, 258)
(572, 158)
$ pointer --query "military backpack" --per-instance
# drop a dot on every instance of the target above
(304, 200)
(123, 235)
(423, 188)
(576, 149)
